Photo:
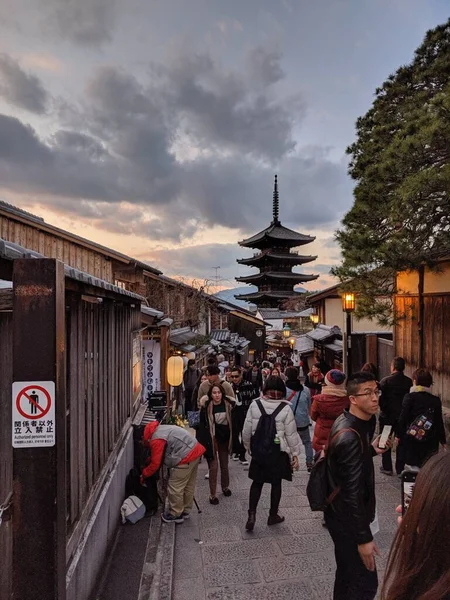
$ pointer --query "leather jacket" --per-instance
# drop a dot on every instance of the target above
(350, 465)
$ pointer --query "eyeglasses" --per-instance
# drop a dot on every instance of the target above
(369, 393)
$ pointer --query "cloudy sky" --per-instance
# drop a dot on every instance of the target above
(155, 127)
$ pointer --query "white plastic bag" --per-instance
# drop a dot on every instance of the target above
(132, 510)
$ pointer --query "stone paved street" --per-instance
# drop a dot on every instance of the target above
(216, 559)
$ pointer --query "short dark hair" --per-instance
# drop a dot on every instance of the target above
(291, 373)
(274, 383)
(191, 362)
(213, 370)
(356, 379)
(236, 369)
(398, 363)
(212, 360)
(422, 377)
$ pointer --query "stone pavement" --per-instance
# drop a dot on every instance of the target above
(216, 559)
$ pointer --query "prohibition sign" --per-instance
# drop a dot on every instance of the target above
(41, 410)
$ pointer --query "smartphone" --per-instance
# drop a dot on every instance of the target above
(384, 436)
(408, 483)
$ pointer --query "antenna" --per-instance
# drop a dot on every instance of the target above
(217, 278)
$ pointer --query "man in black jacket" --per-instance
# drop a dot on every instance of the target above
(350, 467)
(393, 390)
(245, 392)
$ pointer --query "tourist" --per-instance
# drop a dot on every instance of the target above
(284, 452)
(393, 389)
(369, 367)
(418, 565)
(300, 400)
(254, 375)
(190, 377)
(420, 402)
(180, 452)
(215, 433)
(277, 372)
(244, 392)
(314, 380)
(327, 406)
(213, 378)
(350, 514)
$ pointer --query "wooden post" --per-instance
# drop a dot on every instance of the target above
(421, 318)
(39, 473)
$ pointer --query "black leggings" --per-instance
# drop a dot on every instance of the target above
(275, 496)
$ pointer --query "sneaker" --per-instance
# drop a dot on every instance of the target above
(244, 462)
(309, 467)
(226, 492)
(235, 457)
(214, 500)
(185, 515)
(168, 518)
(207, 475)
(385, 471)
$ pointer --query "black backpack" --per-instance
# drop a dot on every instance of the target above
(262, 445)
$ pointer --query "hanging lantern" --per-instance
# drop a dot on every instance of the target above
(286, 331)
(175, 368)
(314, 318)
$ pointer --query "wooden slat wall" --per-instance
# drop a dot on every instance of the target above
(100, 384)
(5, 451)
(54, 246)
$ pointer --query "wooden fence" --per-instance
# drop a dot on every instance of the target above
(97, 350)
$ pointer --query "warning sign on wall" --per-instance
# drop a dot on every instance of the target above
(33, 414)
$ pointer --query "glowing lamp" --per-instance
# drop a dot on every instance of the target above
(286, 331)
(175, 368)
(348, 302)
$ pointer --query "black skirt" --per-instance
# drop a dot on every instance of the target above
(270, 472)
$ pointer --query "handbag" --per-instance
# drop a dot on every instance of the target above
(193, 417)
(420, 428)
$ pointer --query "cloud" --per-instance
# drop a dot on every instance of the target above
(114, 157)
(265, 66)
(45, 62)
(84, 22)
(20, 88)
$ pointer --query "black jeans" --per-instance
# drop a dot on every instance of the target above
(353, 581)
(386, 458)
(275, 496)
(237, 420)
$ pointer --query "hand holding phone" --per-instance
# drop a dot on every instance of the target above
(382, 441)
(408, 483)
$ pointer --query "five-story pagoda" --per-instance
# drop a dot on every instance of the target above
(275, 259)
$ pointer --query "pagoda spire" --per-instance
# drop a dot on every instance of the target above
(276, 202)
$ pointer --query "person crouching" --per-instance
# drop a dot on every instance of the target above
(215, 432)
(180, 452)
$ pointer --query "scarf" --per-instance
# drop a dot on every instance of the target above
(274, 395)
(420, 388)
(326, 391)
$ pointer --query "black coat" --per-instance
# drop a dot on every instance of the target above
(393, 390)
(414, 405)
(350, 465)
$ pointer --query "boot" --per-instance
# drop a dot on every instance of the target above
(251, 520)
(274, 519)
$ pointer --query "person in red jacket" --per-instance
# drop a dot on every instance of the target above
(180, 452)
(327, 406)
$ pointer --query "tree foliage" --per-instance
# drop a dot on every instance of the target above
(400, 161)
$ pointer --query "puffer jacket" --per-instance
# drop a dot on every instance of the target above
(284, 422)
(325, 409)
(350, 465)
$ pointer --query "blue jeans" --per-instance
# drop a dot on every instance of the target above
(306, 440)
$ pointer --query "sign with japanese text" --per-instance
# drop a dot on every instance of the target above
(33, 414)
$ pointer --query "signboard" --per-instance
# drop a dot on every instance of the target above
(33, 414)
(151, 364)
(137, 366)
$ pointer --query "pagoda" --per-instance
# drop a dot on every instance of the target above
(275, 259)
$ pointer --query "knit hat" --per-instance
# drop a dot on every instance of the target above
(335, 379)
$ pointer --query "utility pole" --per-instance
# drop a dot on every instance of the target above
(217, 278)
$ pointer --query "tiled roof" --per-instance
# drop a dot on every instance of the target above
(278, 232)
(220, 335)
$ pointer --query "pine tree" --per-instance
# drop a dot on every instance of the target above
(400, 219)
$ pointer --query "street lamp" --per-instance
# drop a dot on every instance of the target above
(348, 305)
(291, 341)
(286, 331)
(314, 318)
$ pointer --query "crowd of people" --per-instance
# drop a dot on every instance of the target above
(263, 412)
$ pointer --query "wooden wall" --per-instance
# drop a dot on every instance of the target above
(56, 246)
(436, 338)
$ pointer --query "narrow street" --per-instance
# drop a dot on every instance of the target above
(216, 559)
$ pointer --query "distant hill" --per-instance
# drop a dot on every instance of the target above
(229, 295)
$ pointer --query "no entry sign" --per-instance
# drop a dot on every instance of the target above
(33, 414)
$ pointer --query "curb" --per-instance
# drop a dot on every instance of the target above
(157, 572)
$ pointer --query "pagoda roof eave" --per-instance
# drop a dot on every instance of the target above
(277, 233)
(271, 295)
(294, 277)
(294, 259)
